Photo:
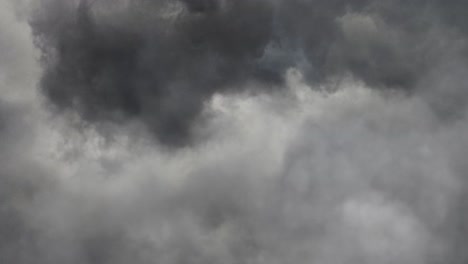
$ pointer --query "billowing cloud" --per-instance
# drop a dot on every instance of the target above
(264, 131)
(158, 61)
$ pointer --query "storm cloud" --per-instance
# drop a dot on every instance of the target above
(222, 131)
(158, 61)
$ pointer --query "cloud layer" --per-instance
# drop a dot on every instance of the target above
(262, 131)
(158, 61)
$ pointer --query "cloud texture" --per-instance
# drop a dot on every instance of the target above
(219, 131)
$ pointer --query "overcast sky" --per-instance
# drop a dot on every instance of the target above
(233, 131)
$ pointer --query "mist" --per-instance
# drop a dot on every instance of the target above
(221, 131)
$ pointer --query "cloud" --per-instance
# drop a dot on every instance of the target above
(232, 132)
(158, 61)
(298, 175)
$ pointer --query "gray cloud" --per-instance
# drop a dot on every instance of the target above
(325, 131)
(352, 176)
(158, 61)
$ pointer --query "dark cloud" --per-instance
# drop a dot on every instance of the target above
(337, 132)
(147, 63)
(159, 61)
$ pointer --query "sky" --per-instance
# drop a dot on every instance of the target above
(233, 131)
